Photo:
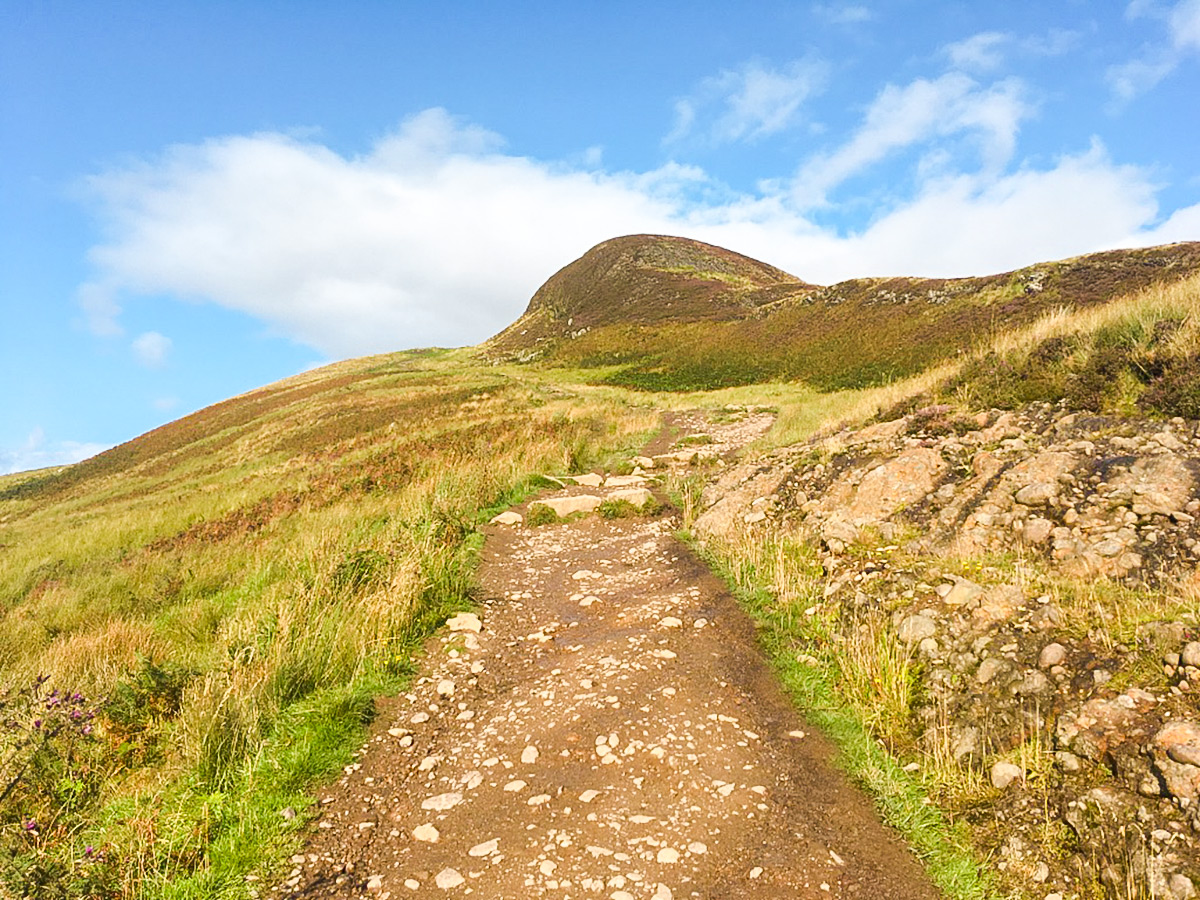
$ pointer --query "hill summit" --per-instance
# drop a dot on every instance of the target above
(643, 279)
(669, 313)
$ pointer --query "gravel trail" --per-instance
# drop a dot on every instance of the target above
(612, 731)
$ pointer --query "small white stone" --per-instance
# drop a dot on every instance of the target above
(756, 871)
(487, 848)
(426, 833)
(442, 802)
(668, 855)
(464, 622)
(448, 878)
(420, 718)
(588, 796)
(698, 847)
(529, 755)
(445, 688)
(670, 622)
(516, 785)
(547, 866)
(412, 884)
(538, 799)
(375, 884)
(662, 892)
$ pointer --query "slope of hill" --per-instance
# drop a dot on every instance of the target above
(854, 334)
(642, 280)
(193, 625)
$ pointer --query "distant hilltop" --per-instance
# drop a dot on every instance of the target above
(676, 313)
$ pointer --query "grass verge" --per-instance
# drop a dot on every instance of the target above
(943, 847)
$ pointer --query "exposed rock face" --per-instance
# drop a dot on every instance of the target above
(1079, 526)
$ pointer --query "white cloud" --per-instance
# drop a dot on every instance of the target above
(980, 52)
(843, 14)
(100, 309)
(151, 349)
(436, 237)
(36, 453)
(919, 113)
(1184, 24)
(749, 103)
(1137, 76)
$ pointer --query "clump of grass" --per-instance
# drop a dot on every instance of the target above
(623, 509)
(856, 684)
(239, 585)
(540, 514)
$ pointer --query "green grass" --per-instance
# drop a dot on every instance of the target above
(817, 684)
(240, 584)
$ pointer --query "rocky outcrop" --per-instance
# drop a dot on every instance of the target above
(1041, 568)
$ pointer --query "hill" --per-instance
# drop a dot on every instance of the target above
(194, 625)
(671, 314)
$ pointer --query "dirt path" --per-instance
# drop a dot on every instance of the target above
(612, 732)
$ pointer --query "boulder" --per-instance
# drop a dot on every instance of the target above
(639, 497)
(465, 622)
(1005, 773)
(508, 518)
(916, 628)
(566, 506)
(591, 479)
(1176, 752)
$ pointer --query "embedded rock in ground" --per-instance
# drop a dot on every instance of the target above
(900, 482)
(508, 518)
(623, 480)
(741, 486)
(639, 497)
(1005, 773)
(589, 479)
(1037, 530)
(962, 592)
(465, 622)
(1176, 752)
(1101, 725)
(1038, 494)
(916, 628)
(1191, 654)
(1052, 655)
(566, 506)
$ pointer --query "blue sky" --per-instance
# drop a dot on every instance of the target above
(200, 198)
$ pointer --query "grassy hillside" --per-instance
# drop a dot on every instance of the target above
(193, 624)
(854, 334)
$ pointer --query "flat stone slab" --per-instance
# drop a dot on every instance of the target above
(566, 506)
(639, 497)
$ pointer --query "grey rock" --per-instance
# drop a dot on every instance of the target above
(1191, 654)
(1038, 494)
(1052, 655)
(1005, 773)
(916, 628)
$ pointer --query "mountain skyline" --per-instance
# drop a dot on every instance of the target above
(200, 199)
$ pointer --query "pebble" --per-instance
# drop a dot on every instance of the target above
(442, 802)
(487, 848)
(426, 833)
(449, 878)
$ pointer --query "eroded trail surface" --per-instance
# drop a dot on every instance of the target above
(611, 732)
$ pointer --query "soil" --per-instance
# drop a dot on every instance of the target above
(613, 732)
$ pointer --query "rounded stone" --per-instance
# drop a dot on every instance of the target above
(1052, 655)
(1005, 773)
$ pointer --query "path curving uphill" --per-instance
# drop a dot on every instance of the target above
(611, 731)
